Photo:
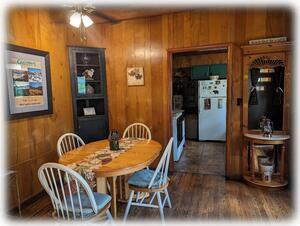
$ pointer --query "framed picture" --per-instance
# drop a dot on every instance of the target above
(89, 111)
(135, 76)
(28, 82)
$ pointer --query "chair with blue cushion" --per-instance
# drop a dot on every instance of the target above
(153, 182)
(71, 196)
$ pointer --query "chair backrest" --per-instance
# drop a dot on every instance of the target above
(163, 166)
(66, 189)
(67, 142)
(137, 130)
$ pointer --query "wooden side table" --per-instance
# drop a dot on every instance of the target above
(250, 176)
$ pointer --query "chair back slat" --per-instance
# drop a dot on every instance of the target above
(67, 142)
(52, 177)
(163, 166)
(137, 130)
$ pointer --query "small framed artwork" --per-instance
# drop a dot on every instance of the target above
(28, 82)
(135, 76)
(89, 111)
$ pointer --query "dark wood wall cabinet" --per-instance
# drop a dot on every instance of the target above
(88, 83)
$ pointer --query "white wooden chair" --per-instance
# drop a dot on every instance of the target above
(70, 194)
(137, 130)
(153, 182)
(68, 142)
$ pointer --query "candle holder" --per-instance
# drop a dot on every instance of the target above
(114, 140)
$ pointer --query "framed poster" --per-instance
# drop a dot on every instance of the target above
(28, 82)
(135, 76)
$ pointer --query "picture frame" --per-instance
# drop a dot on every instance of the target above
(28, 81)
(135, 76)
(89, 111)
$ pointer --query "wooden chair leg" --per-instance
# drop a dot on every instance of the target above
(128, 206)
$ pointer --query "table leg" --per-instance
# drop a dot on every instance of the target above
(252, 161)
(112, 182)
(126, 187)
(282, 160)
(101, 185)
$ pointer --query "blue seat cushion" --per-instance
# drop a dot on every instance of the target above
(143, 177)
(101, 201)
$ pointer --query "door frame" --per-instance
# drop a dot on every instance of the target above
(210, 48)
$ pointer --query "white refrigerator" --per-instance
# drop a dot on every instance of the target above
(212, 110)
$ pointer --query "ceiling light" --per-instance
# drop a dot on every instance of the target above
(75, 19)
(86, 21)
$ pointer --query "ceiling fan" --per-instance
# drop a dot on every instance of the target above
(80, 14)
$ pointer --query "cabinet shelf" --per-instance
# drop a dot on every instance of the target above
(89, 127)
(87, 65)
(88, 117)
(86, 97)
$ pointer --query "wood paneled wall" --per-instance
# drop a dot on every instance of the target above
(144, 42)
(206, 58)
(138, 42)
(32, 141)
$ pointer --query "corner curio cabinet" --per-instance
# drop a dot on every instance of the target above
(266, 93)
(88, 85)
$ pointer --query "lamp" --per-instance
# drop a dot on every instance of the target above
(77, 17)
(86, 21)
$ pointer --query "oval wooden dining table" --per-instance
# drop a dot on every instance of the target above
(141, 155)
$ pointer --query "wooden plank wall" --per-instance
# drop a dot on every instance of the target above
(144, 42)
(138, 42)
(32, 141)
(206, 58)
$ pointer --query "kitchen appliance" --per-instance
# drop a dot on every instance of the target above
(212, 109)
(178, 124)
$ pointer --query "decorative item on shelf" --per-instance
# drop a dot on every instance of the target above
(262, 159)
(81, 85)
(85, 58)
(89, 111)
(214, 77)
(113, 139)
(266, 126)
(267, 171)
(88, 74)
(89, 89)
(267, 40)
(135, 76)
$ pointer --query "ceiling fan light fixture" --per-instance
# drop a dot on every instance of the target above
(75, 19)
(87, 21)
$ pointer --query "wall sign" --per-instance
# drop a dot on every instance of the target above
(28, 82)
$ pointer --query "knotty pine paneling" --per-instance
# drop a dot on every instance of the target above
(192, 60)
(32, 141)
(138, 42)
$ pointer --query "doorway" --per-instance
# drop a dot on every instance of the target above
(222, 161)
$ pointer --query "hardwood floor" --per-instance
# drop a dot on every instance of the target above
(203, 158)
(199, 191)
(201, 197)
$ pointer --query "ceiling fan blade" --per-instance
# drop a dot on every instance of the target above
(106, 17)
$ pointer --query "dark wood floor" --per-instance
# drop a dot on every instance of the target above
(202, 158)
(201, 194)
